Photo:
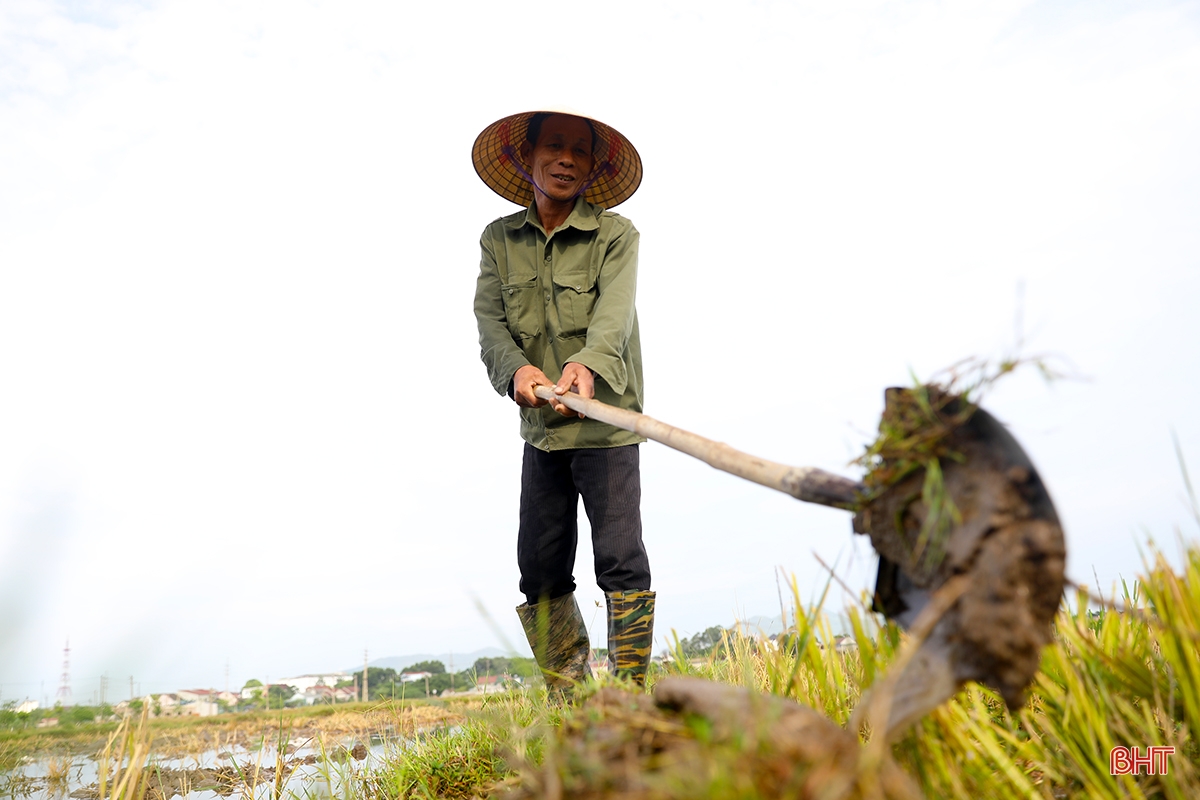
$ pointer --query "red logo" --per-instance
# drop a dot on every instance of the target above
(1130, 761)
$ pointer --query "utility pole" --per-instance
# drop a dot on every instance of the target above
(451, 672)
(364, 683)
(226, 676)
(103, 687)
(131, 695)
(64, 691)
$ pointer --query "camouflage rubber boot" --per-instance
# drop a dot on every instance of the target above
(630, 633)
(559, 640)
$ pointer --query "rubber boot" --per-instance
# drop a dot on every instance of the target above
(559, 640)
(630, 634)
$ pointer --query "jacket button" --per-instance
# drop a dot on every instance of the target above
(510, 291)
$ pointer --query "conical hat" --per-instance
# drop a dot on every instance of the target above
(497, 157)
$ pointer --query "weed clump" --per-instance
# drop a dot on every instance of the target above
(916, 435)
(950, 494)
(919, 435)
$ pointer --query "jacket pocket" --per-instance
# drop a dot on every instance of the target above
(575, 296)
(521, 308)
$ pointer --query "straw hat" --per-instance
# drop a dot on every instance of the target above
(497, 157)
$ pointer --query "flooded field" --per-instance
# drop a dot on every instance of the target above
(308, 758)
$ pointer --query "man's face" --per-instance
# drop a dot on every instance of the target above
(562, 159)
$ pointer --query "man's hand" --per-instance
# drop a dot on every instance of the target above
(524, 380)
(575, 378)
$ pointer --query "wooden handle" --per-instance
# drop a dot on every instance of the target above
(809, 484)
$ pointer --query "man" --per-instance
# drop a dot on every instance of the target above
(555, 307)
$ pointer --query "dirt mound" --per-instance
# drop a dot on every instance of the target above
(696, 738)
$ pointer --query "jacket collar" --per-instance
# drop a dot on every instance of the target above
(584, 217)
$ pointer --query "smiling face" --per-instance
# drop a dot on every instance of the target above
(561, 159)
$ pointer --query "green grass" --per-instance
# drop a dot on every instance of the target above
(508, 729)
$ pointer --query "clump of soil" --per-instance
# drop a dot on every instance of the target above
(950, 492)
(696, 738)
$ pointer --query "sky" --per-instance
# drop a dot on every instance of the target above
(244, 428)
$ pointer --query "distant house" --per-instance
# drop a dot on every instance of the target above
(318, 694)
(197, 702)
(666, 657)
(326, 694)
(490, 684)
(409, 677)
(27, 707)
(302, 683)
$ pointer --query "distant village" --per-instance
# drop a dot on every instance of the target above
(423, 679)
(301, 690)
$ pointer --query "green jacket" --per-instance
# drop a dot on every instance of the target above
(547, 301)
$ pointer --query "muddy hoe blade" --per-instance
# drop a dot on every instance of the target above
(976, 545)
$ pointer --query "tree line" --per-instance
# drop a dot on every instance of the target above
(385, 683)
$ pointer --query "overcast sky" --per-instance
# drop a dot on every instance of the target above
(243, 419)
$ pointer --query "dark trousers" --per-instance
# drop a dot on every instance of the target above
(609, 480)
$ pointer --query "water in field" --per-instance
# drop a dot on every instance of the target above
(305, 770)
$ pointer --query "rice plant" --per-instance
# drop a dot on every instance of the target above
(123, 773)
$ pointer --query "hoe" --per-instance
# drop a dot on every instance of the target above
(971, 558)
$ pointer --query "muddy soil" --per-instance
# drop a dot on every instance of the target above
(1008, 543)
(699, 739)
